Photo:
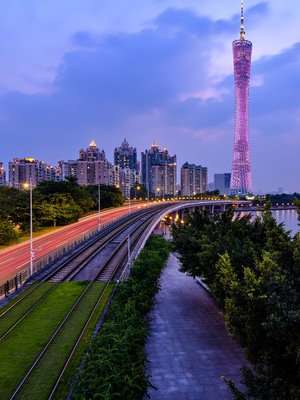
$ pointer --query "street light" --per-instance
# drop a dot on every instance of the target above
(157, 190)
(99, 207)
(129, 199)
(136, 188)
(31, 241)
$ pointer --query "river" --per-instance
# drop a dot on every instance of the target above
(288, 217)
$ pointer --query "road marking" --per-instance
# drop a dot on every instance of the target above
(23, 264)
(3, 262)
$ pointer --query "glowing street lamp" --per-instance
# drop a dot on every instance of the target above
(157, 190)
(137, 188)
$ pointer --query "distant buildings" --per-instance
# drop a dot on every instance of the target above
(91, 167)
(128, 167)
(222, 183)
(2, 175)
(126, 156)
(30, 170)
(193, 179)
(159, 171)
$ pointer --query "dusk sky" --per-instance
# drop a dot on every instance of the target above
(150, 70)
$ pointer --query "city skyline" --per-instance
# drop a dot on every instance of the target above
(156, 71)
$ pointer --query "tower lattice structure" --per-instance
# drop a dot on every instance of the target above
(241, 177)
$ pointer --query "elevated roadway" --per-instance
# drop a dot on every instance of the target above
(15, 260)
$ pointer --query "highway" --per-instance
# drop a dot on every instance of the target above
(15, 258)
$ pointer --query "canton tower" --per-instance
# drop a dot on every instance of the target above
(241, 179)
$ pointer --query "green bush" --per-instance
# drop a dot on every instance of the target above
(115, 358)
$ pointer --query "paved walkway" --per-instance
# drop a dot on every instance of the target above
(189, 348)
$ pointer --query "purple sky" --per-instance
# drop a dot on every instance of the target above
(76, 70)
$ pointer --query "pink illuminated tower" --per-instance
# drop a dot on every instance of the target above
(241, 179)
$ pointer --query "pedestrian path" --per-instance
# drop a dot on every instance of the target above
(189, 348)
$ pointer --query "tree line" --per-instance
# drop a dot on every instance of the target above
(53, 204)
(252, 268)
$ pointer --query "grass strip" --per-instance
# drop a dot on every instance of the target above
(37, 387)
(20, 348)
(63, 388)
(10, 316)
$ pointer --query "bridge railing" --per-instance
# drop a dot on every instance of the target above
(21, 277)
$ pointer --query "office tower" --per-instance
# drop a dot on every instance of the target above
(159, 171)
(241, 179)
(193, 179)
(222, 183)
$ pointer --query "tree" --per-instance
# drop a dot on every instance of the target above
(201, 239)
(188, 238)
(262, 315)
(7, 232)
(110, 196)
(81, 196)
(8, 199)
(65, 210)
(253, 271)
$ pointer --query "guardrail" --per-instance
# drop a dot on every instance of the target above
(21, 277)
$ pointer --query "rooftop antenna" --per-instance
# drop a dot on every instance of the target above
(242, 32)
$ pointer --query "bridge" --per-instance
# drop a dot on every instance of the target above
(179, 210)
(54, 246)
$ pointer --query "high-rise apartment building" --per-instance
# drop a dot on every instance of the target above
(67, 168)
(128, 167)
(91, 168)
(126, 156)
(27, 170)
(241, 178)
(193, 179)
(2, 175)
(159, 171)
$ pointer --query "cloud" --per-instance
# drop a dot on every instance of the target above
(277, 92)
(171, 81)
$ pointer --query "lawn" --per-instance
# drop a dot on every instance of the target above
(19, 349)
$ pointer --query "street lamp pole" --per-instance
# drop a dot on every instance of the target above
(31, 241)
(129, 200)
(128, 249)
(99, 223)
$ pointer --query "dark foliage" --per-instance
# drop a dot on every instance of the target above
(253, 271)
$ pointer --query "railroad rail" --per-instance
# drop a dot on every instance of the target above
(116, 243)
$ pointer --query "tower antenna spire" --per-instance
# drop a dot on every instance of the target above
(242, 32)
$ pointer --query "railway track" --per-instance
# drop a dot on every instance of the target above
(107, 254)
